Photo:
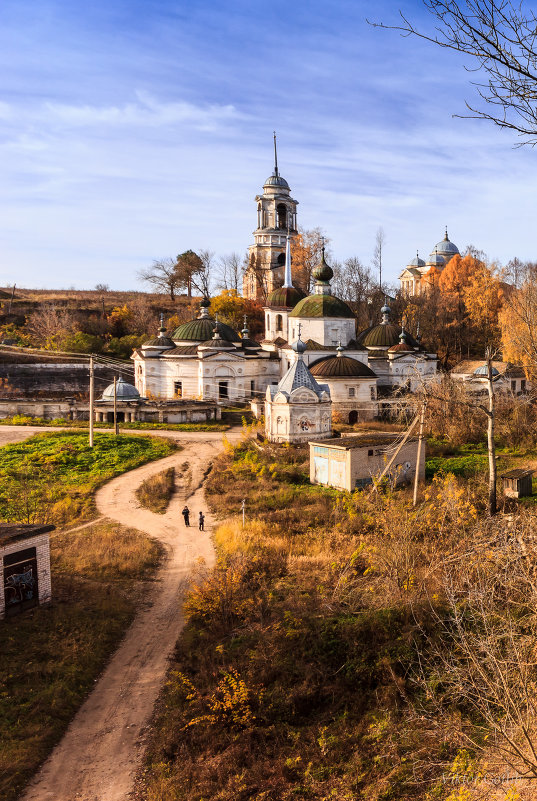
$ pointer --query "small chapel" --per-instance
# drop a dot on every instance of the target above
(313, 336)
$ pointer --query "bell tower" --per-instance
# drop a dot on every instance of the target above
(276, 218)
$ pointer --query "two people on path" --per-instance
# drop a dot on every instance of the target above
(186, 515)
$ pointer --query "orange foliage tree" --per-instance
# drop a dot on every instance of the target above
(518, 321)
(231, 308)
(306, 253)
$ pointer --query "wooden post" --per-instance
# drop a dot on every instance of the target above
(418, 457)
(490, 438)
(91, 400)
(115, 407)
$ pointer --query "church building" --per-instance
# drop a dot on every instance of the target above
(276, 223)
(205, 359)
(414, 279)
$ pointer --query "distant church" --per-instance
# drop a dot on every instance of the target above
(311, 345)
(415, 277)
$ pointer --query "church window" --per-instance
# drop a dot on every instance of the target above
(178, 389)
(279, 322)
(352, 392)
(373, 393)
(281, 260)
(523, 385)
(281, 215)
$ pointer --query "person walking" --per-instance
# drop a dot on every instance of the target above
(186, 515)
(202, 522)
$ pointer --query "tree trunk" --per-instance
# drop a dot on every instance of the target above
(490, 442)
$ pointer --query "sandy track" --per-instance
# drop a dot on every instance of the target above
(100, 753)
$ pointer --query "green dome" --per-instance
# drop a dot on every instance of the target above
(384, 335)
(285, 296)
(322, 306)
(202, 329)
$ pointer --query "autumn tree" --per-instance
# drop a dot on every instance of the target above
(483, 296)
(518, 322)
(230, 307)
(306, 253)
(49, 326)
(500, 39)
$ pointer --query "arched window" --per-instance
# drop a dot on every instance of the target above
(281, 260)
(282, 215)
(279, 322)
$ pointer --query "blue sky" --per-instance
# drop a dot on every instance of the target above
(134, 130)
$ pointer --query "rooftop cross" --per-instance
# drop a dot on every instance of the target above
(275, 156)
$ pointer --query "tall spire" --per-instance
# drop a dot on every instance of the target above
(275, 157)
(288, 281)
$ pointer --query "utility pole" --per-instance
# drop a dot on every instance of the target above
(418, 457)
(115, 407)
(91, 400)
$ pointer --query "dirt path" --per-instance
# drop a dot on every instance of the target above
(101, 751)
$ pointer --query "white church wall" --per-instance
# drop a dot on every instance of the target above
(324, 330)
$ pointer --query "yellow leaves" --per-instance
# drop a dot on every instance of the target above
(230, 704)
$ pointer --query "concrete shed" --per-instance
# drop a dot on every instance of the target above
(350, 463)
(25, 567)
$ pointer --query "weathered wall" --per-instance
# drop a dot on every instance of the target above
(52, 379)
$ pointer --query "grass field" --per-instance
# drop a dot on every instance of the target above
(25, 420)
(51, 478)
(50, 657)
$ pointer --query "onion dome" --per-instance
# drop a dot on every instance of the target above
(124, 391)
(446, 248)
(322, 306)
(285, 297)
(341, 367)
(323, 272)
(299, 346)
(483, 371)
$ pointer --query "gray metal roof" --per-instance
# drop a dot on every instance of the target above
(297, 376)
(124, 391)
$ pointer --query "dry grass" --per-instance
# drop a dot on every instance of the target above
(106, 551)
(298, 675)
(50, 656)
(156, 491)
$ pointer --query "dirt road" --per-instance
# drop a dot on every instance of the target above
(103, 747)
